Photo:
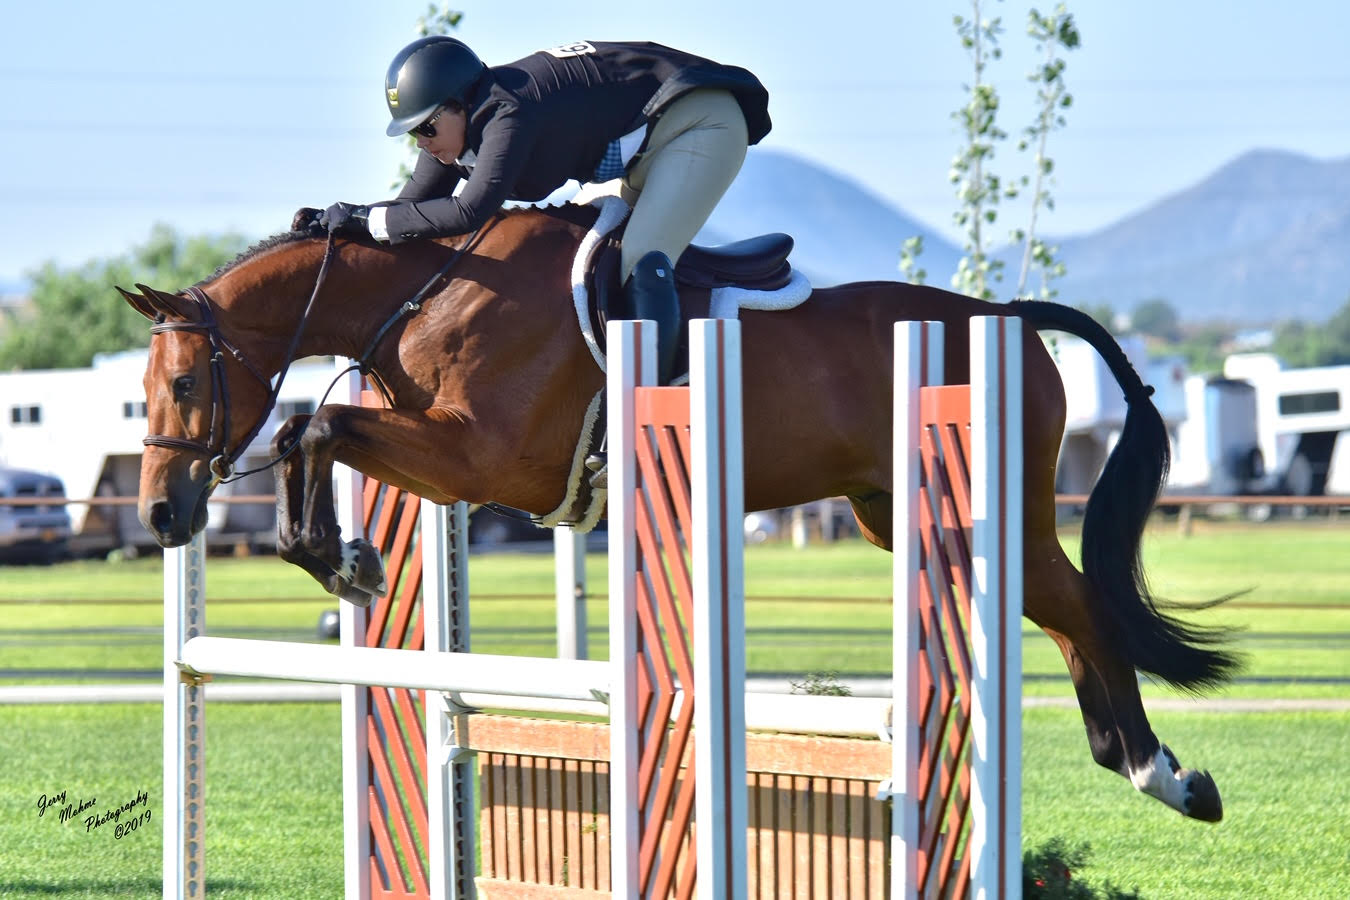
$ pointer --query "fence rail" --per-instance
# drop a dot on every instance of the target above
(258, 499)
(1167, 500)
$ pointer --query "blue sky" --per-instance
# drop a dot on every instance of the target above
(210, 117)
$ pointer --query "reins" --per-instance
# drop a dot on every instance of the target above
(222, 460)
(410, 307)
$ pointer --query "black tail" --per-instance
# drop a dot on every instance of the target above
(1155, 642)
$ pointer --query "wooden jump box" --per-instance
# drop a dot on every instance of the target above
(817, 829)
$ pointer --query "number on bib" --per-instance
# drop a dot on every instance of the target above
(576, 48)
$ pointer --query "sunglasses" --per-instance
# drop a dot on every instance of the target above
(428, 128)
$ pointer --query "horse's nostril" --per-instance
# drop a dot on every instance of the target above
(161, 517)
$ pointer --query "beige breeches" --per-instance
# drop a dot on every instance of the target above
(692, 157)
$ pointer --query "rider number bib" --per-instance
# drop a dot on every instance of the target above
(576, 48)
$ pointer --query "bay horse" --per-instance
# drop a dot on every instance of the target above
(491, 378)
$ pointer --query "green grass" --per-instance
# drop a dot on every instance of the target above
(1286, 806)
(274, 816)
(1294, 621)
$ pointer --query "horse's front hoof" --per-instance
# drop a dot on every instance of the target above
(1202, 796)
(354, 595)
(363, 568)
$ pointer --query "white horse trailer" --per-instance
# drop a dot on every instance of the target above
(1302, 423)
(1095, 405)
(85, 427)
(1217, 447)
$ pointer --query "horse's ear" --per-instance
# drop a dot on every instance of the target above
(138, 303)
(169, 306)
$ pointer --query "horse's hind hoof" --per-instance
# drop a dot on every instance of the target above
(1202, 796)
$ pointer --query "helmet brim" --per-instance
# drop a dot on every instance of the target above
(404, 124)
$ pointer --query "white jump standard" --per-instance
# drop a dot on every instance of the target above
(898, 816)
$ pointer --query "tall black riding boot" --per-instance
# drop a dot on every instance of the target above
(652, 295)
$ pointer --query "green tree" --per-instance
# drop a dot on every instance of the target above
(978, 189)
(1052, 33)
(75, 313)
(910, 251)
(1204, 348)
(1102, 312)
(1300, 344)
(1157, 318)
(1338, 338)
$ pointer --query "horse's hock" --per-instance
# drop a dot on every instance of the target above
(818, 809)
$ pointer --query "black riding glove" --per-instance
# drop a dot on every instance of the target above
(346, 217)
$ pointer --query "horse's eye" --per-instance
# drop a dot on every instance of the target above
(183, 385)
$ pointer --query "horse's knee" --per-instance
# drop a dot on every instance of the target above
(325, 427)
(288, 433)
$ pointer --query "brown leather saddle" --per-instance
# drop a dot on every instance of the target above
(757, 263)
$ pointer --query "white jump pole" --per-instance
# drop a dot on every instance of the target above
(631, 362)
(569, 552)
(353, 622)
(184, 725)
(918, 362)
(451, 811)
(479, 673)
(996, 607)
(717, 549)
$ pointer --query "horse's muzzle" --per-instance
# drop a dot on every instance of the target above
(170, 524)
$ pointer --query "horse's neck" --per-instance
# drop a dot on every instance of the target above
(265, 308)
(365, 289)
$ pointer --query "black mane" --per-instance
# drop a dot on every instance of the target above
(568, 212)
(264, 245)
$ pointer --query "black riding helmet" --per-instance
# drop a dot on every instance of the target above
(424, 75)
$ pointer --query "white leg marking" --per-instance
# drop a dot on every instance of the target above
(1160, 779)
(350, 555)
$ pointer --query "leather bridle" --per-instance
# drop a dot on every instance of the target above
(216, 446)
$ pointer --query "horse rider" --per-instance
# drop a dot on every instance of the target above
(672, 126)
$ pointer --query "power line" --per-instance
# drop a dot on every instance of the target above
(180, 76)
(298, 132)
(1329, 81)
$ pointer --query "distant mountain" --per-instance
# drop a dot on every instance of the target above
(843, 232)
(1264, 238)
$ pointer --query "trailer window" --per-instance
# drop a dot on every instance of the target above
(1309, 404)
(288, 408)
(25, 415)
(134, 410)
